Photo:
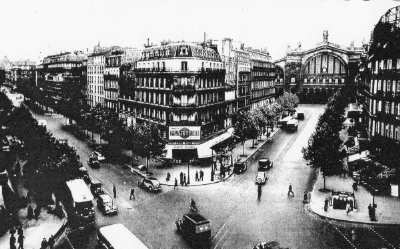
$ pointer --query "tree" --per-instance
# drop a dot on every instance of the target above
(288, 101)
(148, 141)
(260, 120)
(323, 151)
(244, 127)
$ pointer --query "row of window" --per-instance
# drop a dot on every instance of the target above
(163, 83)
(323, 80)
(384, 64)
(263, 93)
(262, 84)
(376, 106)
(383, 129)
(95, 69)
(385, 86)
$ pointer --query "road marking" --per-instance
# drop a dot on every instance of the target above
(341, 234)
(382, 238)
(221, 239)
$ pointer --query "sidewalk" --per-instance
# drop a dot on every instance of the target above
(175, 170)
(34, 230)
(387, 212)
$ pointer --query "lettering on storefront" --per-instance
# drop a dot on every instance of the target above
(184, 133)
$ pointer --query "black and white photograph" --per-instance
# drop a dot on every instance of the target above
(212, 124)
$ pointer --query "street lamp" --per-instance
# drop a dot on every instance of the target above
(188, 178)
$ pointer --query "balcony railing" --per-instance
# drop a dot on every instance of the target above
(184, 88)
(389, 73)
(387, 117)
(171, 70)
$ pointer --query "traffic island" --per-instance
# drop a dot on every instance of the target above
(387, 210)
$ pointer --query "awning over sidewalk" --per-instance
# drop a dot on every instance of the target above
(203, 150)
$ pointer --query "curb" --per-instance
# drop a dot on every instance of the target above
(249, 157)
(309, 209)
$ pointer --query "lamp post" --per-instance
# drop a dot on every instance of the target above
(188, 177)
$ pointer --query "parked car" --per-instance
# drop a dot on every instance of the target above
(265, 164)
(106, 204)
(96, 187)
(93, 163)
(83, 172)
(141, 167)
(150, 183)
(300, 115)
(261, 177)
(98, 156)
(239, 167)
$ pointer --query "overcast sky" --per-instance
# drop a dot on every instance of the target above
(31, 29)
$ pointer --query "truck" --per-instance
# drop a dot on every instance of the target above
(195, 229)
(292, 125)
(79, 204)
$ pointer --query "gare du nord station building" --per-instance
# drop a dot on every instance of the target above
(315, 74)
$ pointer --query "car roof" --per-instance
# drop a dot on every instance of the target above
(105, 197)
(264, 160)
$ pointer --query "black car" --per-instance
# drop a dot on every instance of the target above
(195, 229)
(264, 164)
(239, 167)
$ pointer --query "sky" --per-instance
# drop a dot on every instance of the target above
(34, 29)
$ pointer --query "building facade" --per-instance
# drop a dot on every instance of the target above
(379, 87)
(263, 78)
(62, 78)
(96, 64)
(180, 87)
(23, 72)
(114, 60)
(315, 74)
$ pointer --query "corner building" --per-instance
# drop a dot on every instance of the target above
(180, 87)
(380, 88)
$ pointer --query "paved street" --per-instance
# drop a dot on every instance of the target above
(238, 219)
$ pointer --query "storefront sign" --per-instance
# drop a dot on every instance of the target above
(184, 133)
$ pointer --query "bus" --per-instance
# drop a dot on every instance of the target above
(79, 204)
(117, 236)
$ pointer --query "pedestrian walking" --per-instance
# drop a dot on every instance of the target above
(290, 191)
(43, 245)
(201, 175)
(12, 230)
(168, 176)
(326, 204)
(51, 242)
(21, 241)
(132, 194)
(181, 178)
(12, 242)
(176, 183)
(114, 191)
(196, 176)
(30, 212)
(348, 208)
(37, 212)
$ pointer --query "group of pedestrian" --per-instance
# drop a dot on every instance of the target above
(13, 240)
(33, 213)
(199, 175)
(372, 212)
(50, 243)
(183, 181)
